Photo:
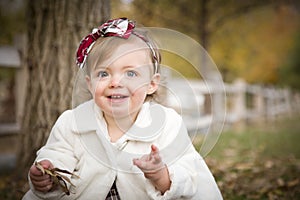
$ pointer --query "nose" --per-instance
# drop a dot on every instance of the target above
(115, 82)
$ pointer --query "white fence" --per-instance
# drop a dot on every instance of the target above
(239, 101)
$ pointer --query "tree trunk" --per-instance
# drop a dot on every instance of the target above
(203, 24)
(203, 38)
(55, 28)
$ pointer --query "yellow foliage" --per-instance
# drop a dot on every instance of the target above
(255, 45)
(179, 65)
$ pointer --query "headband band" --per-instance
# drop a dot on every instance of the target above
(120, 27)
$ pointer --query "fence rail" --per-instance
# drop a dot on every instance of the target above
(244, 102)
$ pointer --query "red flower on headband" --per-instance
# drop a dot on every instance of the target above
(120, 27)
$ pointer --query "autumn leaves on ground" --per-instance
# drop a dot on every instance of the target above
(253, 162)
(259, 162)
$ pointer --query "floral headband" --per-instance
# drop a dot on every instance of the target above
(120, 27)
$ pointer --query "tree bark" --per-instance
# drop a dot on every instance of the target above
(55, 28)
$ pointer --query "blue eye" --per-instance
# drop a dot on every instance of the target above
(131, 73)
(102, 74)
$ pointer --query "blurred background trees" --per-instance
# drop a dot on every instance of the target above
(289, 73)
(247, 39)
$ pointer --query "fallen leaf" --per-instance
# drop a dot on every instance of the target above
(269, 164)
(293, 183)
(280, 182)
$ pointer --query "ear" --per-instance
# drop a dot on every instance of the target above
(89, 83)
(153, 86)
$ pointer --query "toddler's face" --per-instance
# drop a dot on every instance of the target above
(120, 84)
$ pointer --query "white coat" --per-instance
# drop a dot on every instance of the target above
(79, 142)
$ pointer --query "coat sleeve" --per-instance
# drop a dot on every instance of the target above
(59, 150)
(60, 145)
(189, 174)
(192, 179)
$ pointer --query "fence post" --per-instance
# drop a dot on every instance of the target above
(287, 101)
(258, 103)
(239, 104)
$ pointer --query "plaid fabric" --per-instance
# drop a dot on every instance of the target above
(113, 193)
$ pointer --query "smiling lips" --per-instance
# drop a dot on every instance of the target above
(116, 98)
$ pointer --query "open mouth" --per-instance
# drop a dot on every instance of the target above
(117, 97)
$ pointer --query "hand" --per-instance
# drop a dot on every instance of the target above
(151, 163)
(41, 182)
(154, 169)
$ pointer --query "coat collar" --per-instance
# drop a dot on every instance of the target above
(147, 127)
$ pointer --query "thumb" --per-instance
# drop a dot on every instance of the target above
(46, 164)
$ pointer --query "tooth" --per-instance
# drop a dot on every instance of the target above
(116, 97)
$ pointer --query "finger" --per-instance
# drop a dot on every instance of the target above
(154, 154)
(42, 184)
(145, 158)
(156, 159)
(35, 171)
(46, 164)
(140, 164)
(135, 161)
(43, 189)
(40, 178)
(154, 149)
(147, 166)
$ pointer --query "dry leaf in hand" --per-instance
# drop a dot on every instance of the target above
(58, 176)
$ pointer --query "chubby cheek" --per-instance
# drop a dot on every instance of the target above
(98, 93)
(139, 94)
(138, 86)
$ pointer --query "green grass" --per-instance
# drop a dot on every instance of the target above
(277, 139)
(258, 161)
